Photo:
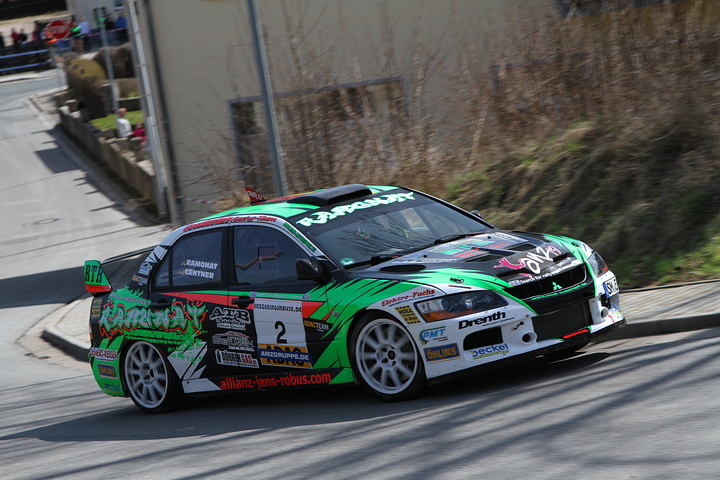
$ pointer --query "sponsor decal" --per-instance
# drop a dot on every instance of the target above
(487, 320)
(301, 238)
(96, 309)
(404, 298)
(93, 274)
(234, 341)
(194, 272)
(103, 353)
(319, 326)
(139, 280)
(260, 382)
(226, 220)
(107, 371)
(408, 315)
(178, 317)
(532, 261)
(235, 359)
(489, 351)
(436, 334)
(442, 352)
(285, 355)
(490, 245)
(230, 318)
(563, 265)
(111, 387)
(324, 217)
(276, 307)
(145, 269)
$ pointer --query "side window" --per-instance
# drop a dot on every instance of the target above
(264, 255)
(194, 259)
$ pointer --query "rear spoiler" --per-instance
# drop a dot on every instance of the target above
(96, 280)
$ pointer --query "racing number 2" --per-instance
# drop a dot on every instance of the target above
(280, 326)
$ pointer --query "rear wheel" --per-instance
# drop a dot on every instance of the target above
(385, 359)
(152, 385)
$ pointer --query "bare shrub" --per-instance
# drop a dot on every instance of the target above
(120, 58)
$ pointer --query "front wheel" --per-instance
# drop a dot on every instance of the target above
(152, 385)
(385, 359)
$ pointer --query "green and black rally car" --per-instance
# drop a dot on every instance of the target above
(383, 286)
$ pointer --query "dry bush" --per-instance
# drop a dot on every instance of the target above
(604, 127)
(550, 72)
(120, 58)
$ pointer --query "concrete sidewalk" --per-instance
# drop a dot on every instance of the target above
(649, 311)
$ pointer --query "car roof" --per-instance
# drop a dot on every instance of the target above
(292, 205)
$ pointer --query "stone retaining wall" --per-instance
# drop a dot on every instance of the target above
(125, 158)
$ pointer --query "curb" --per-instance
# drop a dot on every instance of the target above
(664, 326)
(67, 343)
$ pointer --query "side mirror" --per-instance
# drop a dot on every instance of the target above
(477, 214)
(310, 269)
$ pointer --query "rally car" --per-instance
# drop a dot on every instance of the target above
(383, 286)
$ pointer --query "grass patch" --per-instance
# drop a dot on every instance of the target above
(109, 122)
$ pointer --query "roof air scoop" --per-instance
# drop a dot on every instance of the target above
(333, 195)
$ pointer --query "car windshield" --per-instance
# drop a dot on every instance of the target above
(384, 226)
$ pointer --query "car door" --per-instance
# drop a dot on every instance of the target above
(287, 314)
(188, 288)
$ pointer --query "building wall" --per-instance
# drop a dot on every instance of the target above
(205, 58)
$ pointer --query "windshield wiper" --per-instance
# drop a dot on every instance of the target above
(454, 236)
(373, 260)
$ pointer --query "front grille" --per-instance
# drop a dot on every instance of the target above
(562, 322)
(544, 286)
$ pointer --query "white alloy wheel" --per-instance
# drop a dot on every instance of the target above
(386, 359)
(148, 379)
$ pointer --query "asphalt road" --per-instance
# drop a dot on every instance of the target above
(642, 408)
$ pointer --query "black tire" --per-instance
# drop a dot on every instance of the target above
(385, 359)
(149, 380)
(566, 352)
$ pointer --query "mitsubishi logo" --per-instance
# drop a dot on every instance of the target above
(556, 286)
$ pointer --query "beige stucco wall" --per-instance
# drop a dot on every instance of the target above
(206, 59)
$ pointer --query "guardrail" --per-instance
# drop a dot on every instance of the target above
(35, 59)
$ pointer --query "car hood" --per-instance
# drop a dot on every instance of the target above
(503, 258)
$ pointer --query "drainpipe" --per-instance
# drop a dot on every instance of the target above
(160, 162)
(156, 154)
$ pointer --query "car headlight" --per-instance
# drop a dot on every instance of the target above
(597, 264)
(460, 304)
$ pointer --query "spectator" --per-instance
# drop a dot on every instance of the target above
(37, 37)
(76, 37)
(2, 45)
(123, 125)
(22, 36)
(139, 132)
(16, 41)
(85, 33)
(109, 22)
(121, 26)
(110, 29)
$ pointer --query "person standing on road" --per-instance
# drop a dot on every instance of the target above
(123, 125)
